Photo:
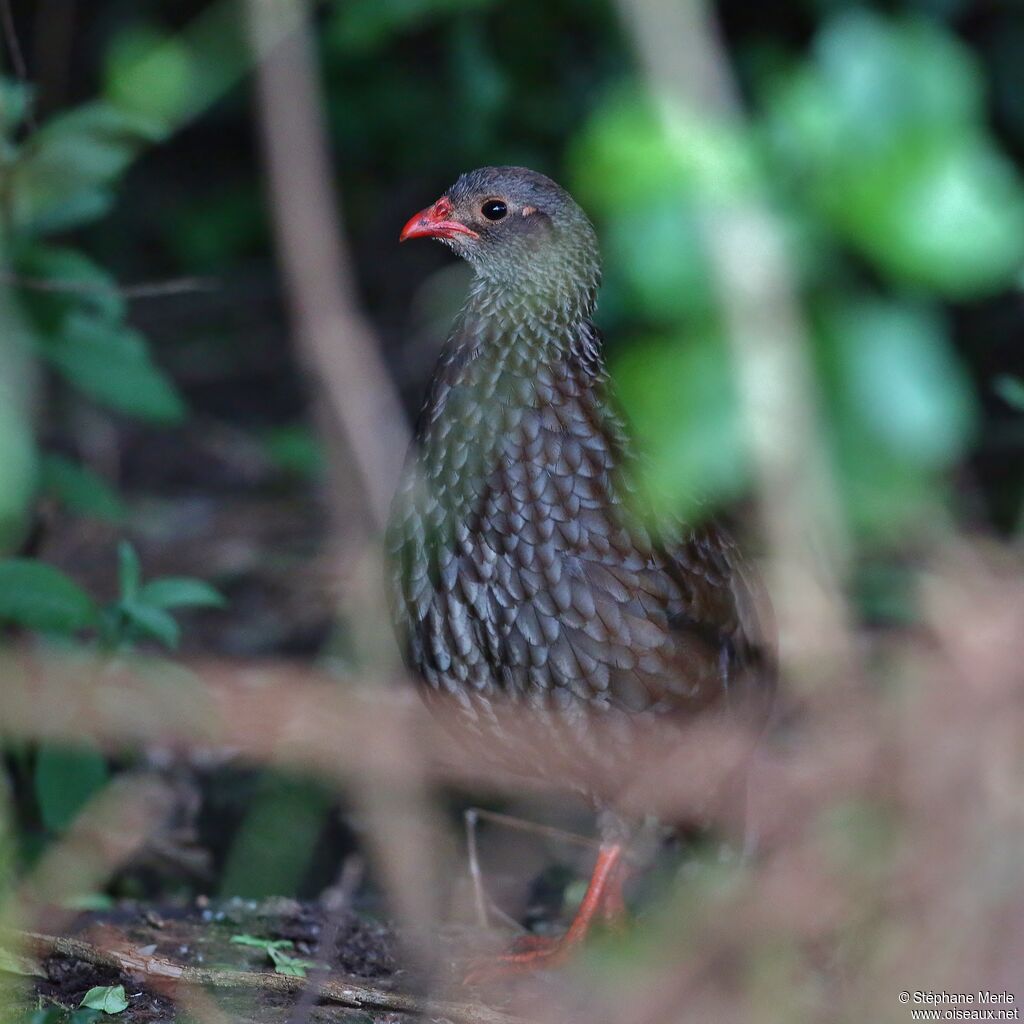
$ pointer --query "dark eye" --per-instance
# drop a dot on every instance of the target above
(494, 209)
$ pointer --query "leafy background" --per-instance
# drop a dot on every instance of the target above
(161, 483)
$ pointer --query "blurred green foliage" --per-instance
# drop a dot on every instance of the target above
(37, 596)
(40, 597)
(884, 131)
(60, 304)
(874, 155)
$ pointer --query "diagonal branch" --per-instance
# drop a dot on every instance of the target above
(334, 337)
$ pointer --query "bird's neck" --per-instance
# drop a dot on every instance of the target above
(505, 339)
(540, 295)
(507, 356)
(507, 372)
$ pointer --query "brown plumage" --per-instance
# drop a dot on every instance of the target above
(525, 574)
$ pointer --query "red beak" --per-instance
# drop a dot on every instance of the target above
(434, 222)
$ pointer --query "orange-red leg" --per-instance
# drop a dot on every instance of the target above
(613, 907)
(603, 898)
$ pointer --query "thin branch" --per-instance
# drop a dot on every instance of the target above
(164, 973)
(146, 290)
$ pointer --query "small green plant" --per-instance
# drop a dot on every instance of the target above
(143, 610)
(277, 951)
(37, 596)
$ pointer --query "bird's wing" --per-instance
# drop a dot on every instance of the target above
(585, 605)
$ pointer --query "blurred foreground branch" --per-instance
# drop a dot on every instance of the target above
(366, 417)
(688, 71)
(333, 335)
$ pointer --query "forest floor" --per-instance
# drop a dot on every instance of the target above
(215, 946)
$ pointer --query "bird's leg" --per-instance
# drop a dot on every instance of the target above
(523, 825)
(613, 906)
(606, 879)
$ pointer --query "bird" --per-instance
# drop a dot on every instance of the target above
(525, 573)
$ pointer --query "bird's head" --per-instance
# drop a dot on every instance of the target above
(522, 233)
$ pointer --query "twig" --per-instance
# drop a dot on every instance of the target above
(160, 969)
(146, 290)
(336, 902)
(558, 834)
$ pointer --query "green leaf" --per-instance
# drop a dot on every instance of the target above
(181, 592)
(662, 259)
(678, 394)
(949, 217)
(18, 467)
(108, 998)
(38, 596)
(65, 780)
(111, 363)
(902, 410)
(285, 963)
(883, 133)
(58, 1015)
(294, 449)
(151, 72)
(167, 78)
(901, 381)
(79, 489)
(14, 963)
(63, 175)
(153, 622)
(270, 852)
(1010, 390)
(15, 101)
(85, 901)
(633, 151)
(129, 571)
(891, 76)
(277, 950)
(251, 940)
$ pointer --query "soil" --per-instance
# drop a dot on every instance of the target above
(200, 935)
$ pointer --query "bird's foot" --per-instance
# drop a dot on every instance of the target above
(529, 953)
(603, 900)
